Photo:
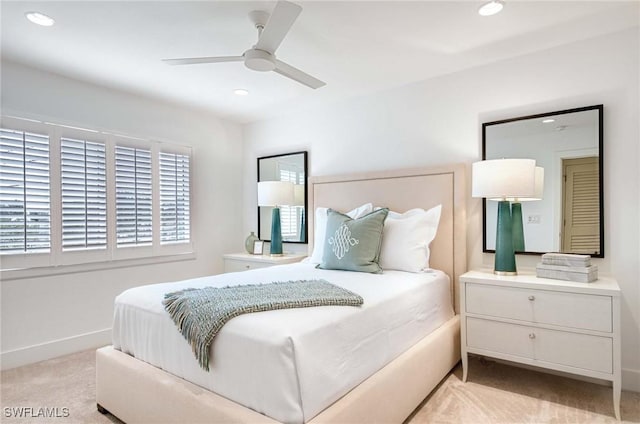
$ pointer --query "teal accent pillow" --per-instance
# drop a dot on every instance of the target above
(353, 244)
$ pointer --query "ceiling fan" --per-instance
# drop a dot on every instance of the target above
(261, 57)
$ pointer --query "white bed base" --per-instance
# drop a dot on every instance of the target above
(137, 392)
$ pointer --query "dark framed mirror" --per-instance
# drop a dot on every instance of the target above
(290, 167)
(568, 144)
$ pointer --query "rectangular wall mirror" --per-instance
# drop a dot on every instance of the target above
(287, 167)
(568, 145)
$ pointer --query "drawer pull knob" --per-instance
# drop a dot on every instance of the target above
(532, 336)
(532, 298)
(247, 266)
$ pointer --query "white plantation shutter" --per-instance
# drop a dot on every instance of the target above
(133, 196)
(174, 198)
(107, 193)
(290, 215)
(25, 217)
(84, 196)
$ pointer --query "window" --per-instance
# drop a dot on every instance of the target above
(134, 225)
(75, 196)
(84, 194)
(174, 197)
(25, 216)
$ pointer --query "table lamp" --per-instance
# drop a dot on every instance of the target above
(275, 194)
(516, 210)
(503, 179)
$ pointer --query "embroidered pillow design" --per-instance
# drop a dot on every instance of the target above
(353, 244)
(341, 241)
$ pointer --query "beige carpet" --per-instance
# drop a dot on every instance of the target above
(498, 393)
(495, 393)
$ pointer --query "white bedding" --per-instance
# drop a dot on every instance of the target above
(290, 364)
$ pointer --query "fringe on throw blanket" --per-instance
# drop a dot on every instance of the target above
(201, 313)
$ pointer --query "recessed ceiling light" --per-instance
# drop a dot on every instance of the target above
(241, 92)
(491, 8)
(548, 121)
(39, 18)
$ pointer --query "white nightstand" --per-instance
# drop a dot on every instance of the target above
(234, 262)
(558, 325)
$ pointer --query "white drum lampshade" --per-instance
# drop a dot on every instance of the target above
(538, 189)
(298, 195)
(503, 179)
(275, 193)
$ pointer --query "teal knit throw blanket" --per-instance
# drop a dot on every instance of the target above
(201, 313)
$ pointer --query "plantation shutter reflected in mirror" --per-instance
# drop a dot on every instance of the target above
(290, 215)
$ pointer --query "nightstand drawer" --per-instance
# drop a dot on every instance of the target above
(234, 266)
(576, 350)
(574, 310)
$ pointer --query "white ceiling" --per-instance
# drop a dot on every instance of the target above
(356, 47)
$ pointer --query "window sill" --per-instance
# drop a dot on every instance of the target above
(48, 271)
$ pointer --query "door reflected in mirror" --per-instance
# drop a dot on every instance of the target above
(290, 167)
(568, 145)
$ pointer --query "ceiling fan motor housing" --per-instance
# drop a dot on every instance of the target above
(259, 60)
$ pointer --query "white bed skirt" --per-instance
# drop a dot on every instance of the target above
(137, 392)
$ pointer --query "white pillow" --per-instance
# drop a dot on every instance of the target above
(321, 229)
(406, 238)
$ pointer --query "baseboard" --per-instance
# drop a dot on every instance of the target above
(53, 349)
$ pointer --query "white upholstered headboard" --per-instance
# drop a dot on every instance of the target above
(400, 191)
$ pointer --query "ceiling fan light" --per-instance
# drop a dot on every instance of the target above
(241, 92)
(491, 8)
(40, 18)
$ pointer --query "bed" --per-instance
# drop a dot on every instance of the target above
(399, 371)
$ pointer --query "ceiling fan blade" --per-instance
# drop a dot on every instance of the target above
(278, 25)
(198, 60)
(297, 75)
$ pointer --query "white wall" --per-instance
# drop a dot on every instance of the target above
(438, 121)
(54, 315)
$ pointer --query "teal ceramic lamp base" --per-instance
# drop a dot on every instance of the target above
(505, 261)
(518, 231)
(276, 233)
